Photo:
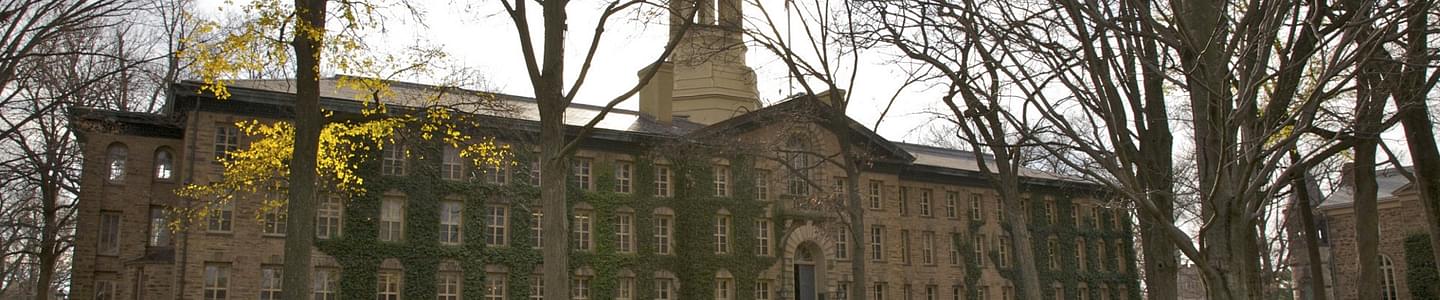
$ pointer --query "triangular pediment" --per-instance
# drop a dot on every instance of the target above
(795, 114)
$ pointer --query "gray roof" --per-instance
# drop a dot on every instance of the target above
(966, 161)
(1390, 182)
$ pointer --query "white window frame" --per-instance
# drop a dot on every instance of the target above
(662, 181)
(392, 219)
(580, 167)
(222, 220)
(329, 217)
(216, 284)
(583, 229)
(877, 243)
(325, 284)
(762, 236)
(664, 234)
(722, 234)
(452, 216)
(390, 284)
(452, 166)
(722, 181)
(925, 202)
(625, 232)
(271, 277)
(392, 160)
(449, 286)
(624, 176)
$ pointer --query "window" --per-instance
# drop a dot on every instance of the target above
(842, 291)
(164, 165)
(837, 190)
(1099, 256)
(1388, 288)
(582, 229)
(159, 227)
(625, 232)
(1000, 210)
(1007, 293)
(955, 249)
(762, 184)
(905, 246)
(580, 288)
(879, 290)
(537, 288)
(1059, 292)
(1050, 212)
(932, 292)
(1079, 253)
(625, 288)
(496, 173)
(979, 250)
(388, 285)
(392, 219)
(109, 233)
(1120, 261)
(980, 292)
(664, 288)
(451, 165)
(217, 281)
(221, 219)
(876, 188)
(762, 236)
(1104, 293)
(906, 292)
(328, 217)
(762, 290)
(877, 243)
(723, 288)
(117, 155)
(624, 175)
(536, 229)
(975, 214)
(1082, 293)
(722, 181)
(535, 171)
(1004, 251)
(1075, 214)
(451, 220)
(662, 181)
(580, 169)
(1052, 248)
(105, 290)
(956, 292)
(722, 234)
(274, 222)
(448, 286)
(927, 247)
(227, 140)
(925, 202)
(950, 202)
(270, 279)
(842, 243)
(326, 284)
(392, 160)
(904, 200)
(662, 233)
(495, 286)
(799, 164)
(1120, 216)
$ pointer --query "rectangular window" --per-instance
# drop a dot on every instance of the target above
(159, 227)
(625, 289)
(328, 217)
(274, 222)
(906, 292)
(722, 234)
(222, 218)
(662, 234)
(979, 250)
(388, 285)
(762, 290)
(495, 286)
(217, 281)
(932, 292)
(536, 228)
(1080, 254)
(877, 243)
(664, 288)
(580, 288)
(842, 243)
(582, 229)
(392, 160)
(497, 225)
(722, 288)
(1007, 293)
(927, 247)
(1120, 261)
(624, 175)
(1052, 248)
(762, 184)
(496, 173)
(1000, 210)
(535, 170)
(842, 291)
(905, 246)
(537, 288)
(975, 214)
(447, 286)
(105, 290)
(452, 220)
(625, 232)
(951, 199)
(227, 140)
(392, 219)
(956, 292)
(925, 202)
(109, 233)
(876, 188)
(879, 290)
(662, 181)
(326, 284)
(580, 169)
(904, 200)
(955, 249)
(452, 167)
(270, 278)
(1099, 260)
(1050, 212)
(837, 190)
(762, 236)
(1004, 251)
(722, 181)
(1075, 214)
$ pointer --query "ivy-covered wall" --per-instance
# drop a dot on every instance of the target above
(693, 262)
(1421, 273)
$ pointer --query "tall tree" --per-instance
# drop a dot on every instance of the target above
(1411, 101)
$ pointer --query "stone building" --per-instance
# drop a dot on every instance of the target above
(693, 196)
(1401, 217)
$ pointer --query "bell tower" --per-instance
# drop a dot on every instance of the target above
(711, 80)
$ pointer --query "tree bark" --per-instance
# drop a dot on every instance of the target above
(1414, 114)
(1315, 270)
(553, 164)
(300, 208)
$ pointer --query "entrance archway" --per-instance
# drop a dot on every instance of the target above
(807, 286)
(805, 265)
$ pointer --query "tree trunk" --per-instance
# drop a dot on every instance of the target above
(1414, 114)
(49, 229)
(1369, 109)
(550, 98)
(854, 207)
(1314, 268)
(300, 208)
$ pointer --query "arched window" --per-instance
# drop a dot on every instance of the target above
(117, 154)
(164, 164)
(1388, 289)
(798, 163)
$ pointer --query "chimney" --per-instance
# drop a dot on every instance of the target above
(824, 97)
(656, 97)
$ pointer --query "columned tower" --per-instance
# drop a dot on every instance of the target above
(711, 81)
